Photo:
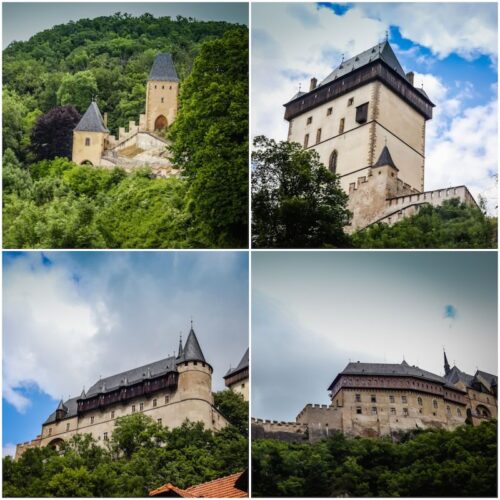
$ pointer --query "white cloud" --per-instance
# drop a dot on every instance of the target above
(104, 312)
(9, 450)
(468, 29)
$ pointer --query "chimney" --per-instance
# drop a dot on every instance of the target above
(410, 76)
(313, 84)
(105, 119)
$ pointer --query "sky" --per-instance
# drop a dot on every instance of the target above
(314, 312)
(451, 47)
(23, 20)
(71, 317)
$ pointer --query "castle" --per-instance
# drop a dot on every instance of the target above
(169, 391)
(366, 120)
(237, 378)
(141, 144)
(379, 399)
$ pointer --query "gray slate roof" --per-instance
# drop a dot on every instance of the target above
(92, 120)
(455, 375)
(133, 376)
(163, 69)
(489, 377)
(241, 365)
(401, 369)
(381, 51)
(71, 408)
(385, 159)
(192, 350)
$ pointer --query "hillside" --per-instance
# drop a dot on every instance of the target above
(50, 202)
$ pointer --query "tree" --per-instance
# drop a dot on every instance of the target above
(450, 225)
(296, 201)
(77, 90)
(210, 140)
(52, 134)
(234, 408)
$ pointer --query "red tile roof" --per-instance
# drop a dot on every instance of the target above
(224, 487)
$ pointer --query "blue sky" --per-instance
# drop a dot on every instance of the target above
(313, 312)
(451, 47)
(70, 317)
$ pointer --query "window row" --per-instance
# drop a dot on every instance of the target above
(361, 116)
(374, 411)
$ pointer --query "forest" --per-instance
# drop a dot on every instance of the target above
(48, 84)
(140, 455)
(430, 463)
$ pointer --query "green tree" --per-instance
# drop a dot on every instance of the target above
(77, 90)
(296, 201)
(210, 140)
(450, 225)
(234, 408)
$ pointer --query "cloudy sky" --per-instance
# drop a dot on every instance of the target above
(313, 312)
(71, 317)
(23, 20)
(451, 47)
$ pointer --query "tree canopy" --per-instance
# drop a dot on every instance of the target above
(56, 204)
(140, 456)
(450, 225)
(296, 201)
(432, 463)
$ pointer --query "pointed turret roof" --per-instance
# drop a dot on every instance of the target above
(92, 120)
(192, 350)
(446, 364)
(385, 159)
(179, 354)
(83, 395)
(242, 365)
(163, 69)
(61, 406)
(382, 51)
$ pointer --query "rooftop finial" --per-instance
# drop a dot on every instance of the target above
(342, 58)
(386, 35)
(385, 140)
(191, 322)
(300, 85)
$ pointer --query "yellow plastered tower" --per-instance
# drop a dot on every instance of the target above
(161, 94)
(89, 137)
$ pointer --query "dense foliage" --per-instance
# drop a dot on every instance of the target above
(210, 141)
(140, 456)
(433, 463)
(234, 409)
(450, 225)
(296, 201)
(57, 204)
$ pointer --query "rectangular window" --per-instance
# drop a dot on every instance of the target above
(350, 101)
(105, 436)
(141, 406)
(435, 403)
(154, 403)
(67, 427)
(133, 408)
(159, 421)
(318, 136)
(362, 113)
(309, 120)
(358, 410)
(167, 399)
(391, 399)
(403, 399)
(358, 398)
(91, 420)
(113, 414)
(405, 412)
(393, 411)
(374, 410)
(162, 100)
(50, 431)
(373, 398)
(306, 140)
(341, 126)
(329, 111)
(87, 141)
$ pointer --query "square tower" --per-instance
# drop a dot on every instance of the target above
(161, 94)
(89, 137)
(366, 103)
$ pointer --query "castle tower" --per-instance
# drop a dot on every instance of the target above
(366, 103)
(161, 94)
(89, 137)
(195, 374)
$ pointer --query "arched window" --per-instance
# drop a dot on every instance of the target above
(419, 400)
(87, 141)
(332, 165)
